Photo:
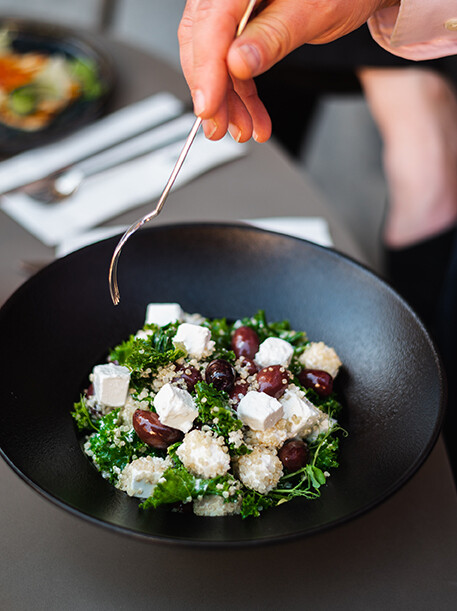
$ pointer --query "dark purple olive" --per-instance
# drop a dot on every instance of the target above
(90, 391)
(245, 342)
(248, 365)
(95, 410)
(189, 374)
(150, 430)
(240, 388)
(221, 374)
(273, 380)
(294, 454)
(318, 380)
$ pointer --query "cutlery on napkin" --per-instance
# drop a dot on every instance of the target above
(117, 189)
(67, 181)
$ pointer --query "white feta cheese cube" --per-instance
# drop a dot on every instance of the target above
(300, 414)
(196, 340)
(175, 407)
(274, 351)
(259, 411)
(111, 384)
(140, 477)
(163, 313)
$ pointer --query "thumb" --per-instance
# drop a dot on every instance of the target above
(268, 38)
(285, 25)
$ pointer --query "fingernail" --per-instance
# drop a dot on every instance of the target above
(235, 132)
(199, 102)
(209, 127)
(255, 136)
(250, 55)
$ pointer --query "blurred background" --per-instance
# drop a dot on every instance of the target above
(352, 183)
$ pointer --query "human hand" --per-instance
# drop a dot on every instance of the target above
(219, 69)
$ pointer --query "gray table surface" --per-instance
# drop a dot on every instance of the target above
(403, 553)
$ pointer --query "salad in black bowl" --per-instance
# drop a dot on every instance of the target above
(62, 324)
(52, 81)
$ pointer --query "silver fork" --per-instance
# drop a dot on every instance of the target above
(65, 182)
(112, 272)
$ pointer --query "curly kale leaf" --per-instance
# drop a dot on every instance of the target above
(162, 337)
(214, 410)
(159, 340)
(177, 485)
(113, 447)
(141, 355)
(82, 417)
(253, 503)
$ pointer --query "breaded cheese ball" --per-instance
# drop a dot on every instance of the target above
(318, 355)
(260, 470)
(203, 454)
(274, 437)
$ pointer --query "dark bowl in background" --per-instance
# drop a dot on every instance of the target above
(62, 322)
(31, 35)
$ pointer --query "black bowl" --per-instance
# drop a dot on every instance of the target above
(62, 322)
(48, 38)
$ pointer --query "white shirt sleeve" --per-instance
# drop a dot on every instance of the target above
(417, 29)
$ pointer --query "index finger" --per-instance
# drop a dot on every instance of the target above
(214, 26)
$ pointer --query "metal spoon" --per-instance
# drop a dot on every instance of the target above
(63, 183)
(112, 274)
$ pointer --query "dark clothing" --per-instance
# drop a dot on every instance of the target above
(311, 71)
(425, 274)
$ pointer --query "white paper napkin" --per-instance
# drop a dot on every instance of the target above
(312, 228)
(115, 127)
(118, 189)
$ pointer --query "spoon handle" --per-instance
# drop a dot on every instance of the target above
(112, 273)
(113, 284)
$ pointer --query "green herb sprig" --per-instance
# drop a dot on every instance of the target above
(82, 417)
(306, 482)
